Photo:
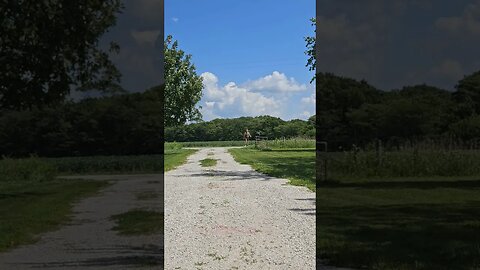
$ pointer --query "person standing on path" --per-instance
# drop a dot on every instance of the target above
(246, 136)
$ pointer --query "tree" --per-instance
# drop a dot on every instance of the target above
(48, 48)
(310, 52)
(183, 87)
(468, 95)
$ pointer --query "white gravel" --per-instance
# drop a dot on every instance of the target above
(231, 217)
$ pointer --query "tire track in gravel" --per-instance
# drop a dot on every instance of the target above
(232, 217)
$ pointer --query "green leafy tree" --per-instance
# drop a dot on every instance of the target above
(50, 47)
(183, 87)
(310, 52)
(468, 95)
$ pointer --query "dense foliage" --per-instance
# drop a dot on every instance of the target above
(183, 87)
(354, 112)
(118, 125)
(311, 52)
(232, 129)
(48, 48)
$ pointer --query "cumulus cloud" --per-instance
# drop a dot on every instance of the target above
(309, 100)
(468, 22)
(449, 68)
(276, 82)
(145, 37)
(234, 98)
(148, 9)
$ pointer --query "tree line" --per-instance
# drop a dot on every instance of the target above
(352, 112)
(117, 125)
(232, 129)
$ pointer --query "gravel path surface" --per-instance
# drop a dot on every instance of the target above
(231, 217)
(88, 241)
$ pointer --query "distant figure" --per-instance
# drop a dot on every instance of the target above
(246, 136)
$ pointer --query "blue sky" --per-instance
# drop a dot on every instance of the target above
(250, 54)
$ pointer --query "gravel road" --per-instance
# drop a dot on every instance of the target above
(88, 241)
(231, 217)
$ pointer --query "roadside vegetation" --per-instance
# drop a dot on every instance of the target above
(107, 164)
(34, 201)
(281, 159)
(175, 155)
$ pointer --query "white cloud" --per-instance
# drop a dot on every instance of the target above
(468, 22)
(209, 105)
(145, 37)
(306, 114)
(237, 99)
(309, 100)
(174, 19)
(276, 82)
(449, 68)
(148, 9)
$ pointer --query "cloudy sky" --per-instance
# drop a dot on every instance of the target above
(250, 54)
(138, 32)
(400, 42)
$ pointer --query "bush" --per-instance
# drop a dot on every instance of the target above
(23, 170)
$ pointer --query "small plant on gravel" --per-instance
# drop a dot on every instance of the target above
(208, 162)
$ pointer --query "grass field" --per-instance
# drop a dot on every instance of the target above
(408, 211)
(297, 165)
(32, 201)
(176, 157)
(107, 164)
(169, 145)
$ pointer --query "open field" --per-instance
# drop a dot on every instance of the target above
(293, 143)
(107, 164)
(406, 211)
(169, 145)
(297, 165)
(32, 201)
(406, 163)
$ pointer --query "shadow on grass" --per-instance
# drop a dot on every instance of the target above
(407, 236)
(128, 256)
(460, 184)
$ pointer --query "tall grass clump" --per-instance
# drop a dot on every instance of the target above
(26, 170)
(173, 146)
(108, 164)
(294, 143)
(413, 162)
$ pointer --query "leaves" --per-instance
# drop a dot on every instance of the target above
(183, 87)
(48, 48)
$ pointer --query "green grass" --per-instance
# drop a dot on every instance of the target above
(408, 212)
(107, 164)
(176, 157)
(204, 144)
(292, 144)
(32, 201)
(297, 165)
(138, 222)
(208, 162)
(406, 163)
